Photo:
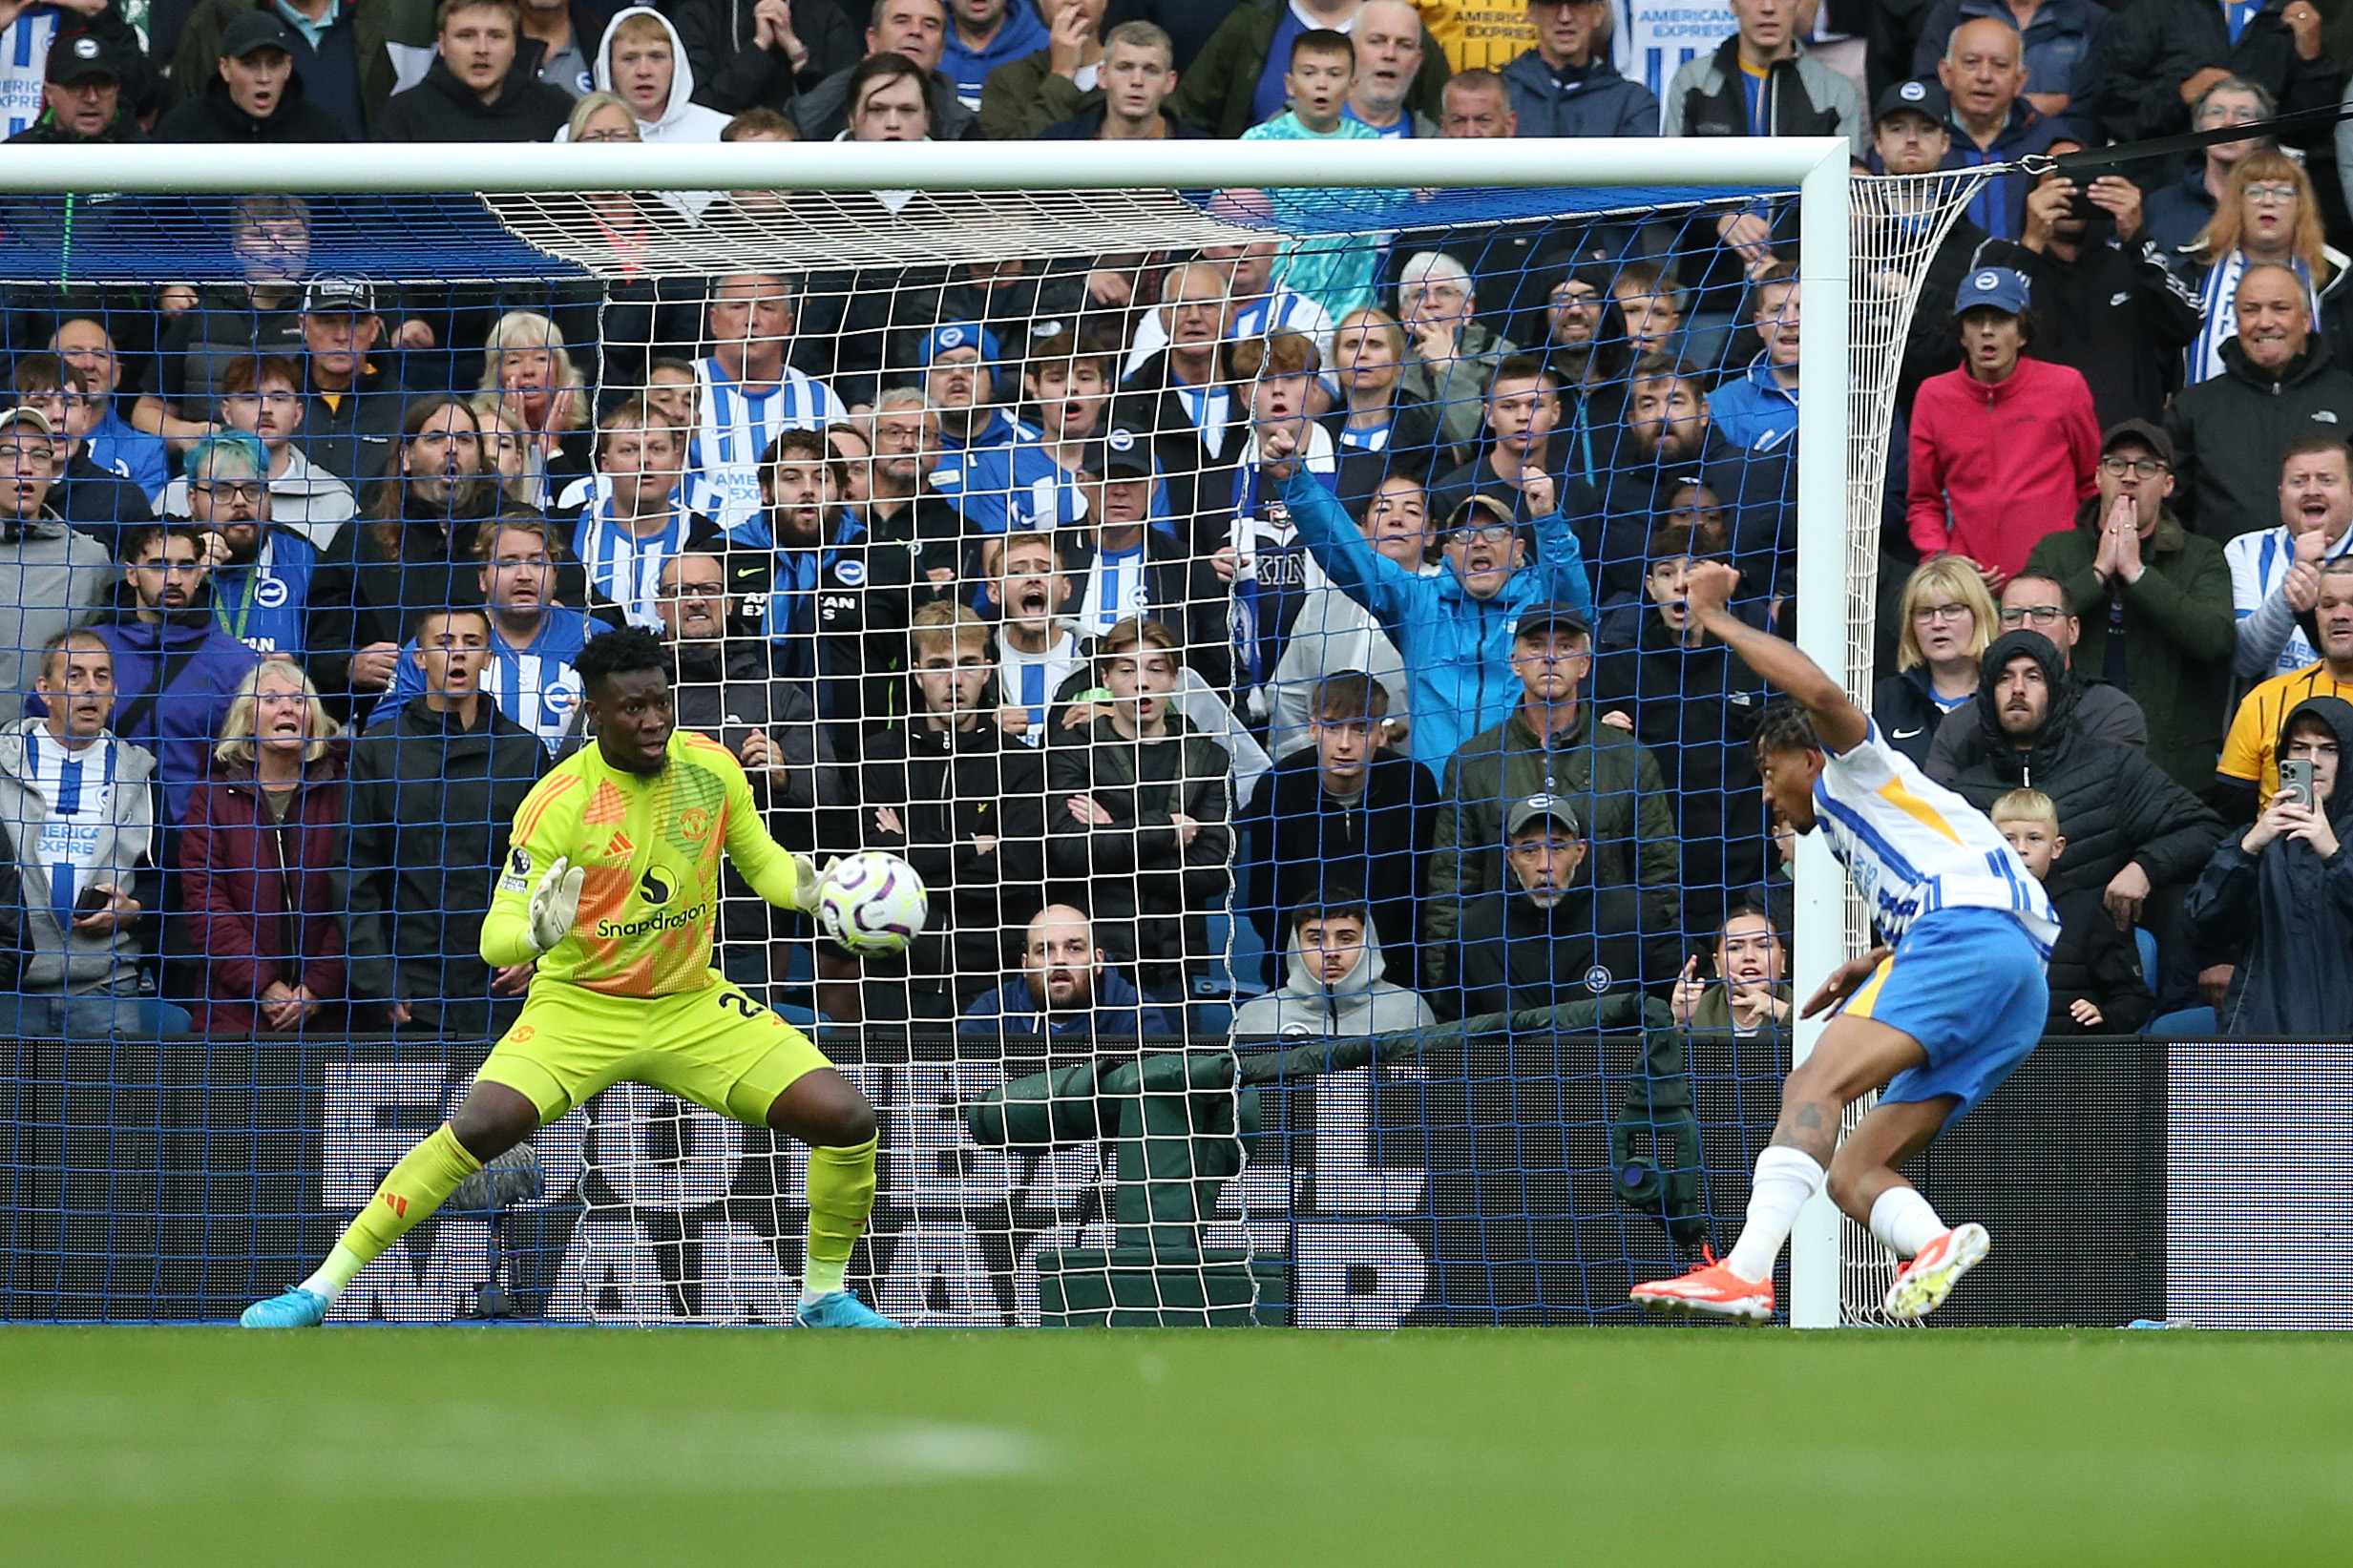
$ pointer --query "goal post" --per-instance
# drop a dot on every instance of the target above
(1844, 404)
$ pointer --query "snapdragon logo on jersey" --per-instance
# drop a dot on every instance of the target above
(655, 888)
(659, 1211)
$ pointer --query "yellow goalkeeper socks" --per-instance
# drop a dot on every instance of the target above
(426, 1176)
(841, 1195)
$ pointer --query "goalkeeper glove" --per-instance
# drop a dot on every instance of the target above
(807, 880)
(554, 902)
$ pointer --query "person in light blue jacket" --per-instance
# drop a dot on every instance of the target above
(1454, 628)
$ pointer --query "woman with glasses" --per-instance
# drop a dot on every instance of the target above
(2269, 213)
(1948, 621)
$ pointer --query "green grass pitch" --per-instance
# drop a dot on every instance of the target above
(677, 1449)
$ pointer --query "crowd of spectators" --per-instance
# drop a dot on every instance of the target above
(1327, 589)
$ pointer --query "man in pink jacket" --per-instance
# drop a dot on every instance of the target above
(2002, 449)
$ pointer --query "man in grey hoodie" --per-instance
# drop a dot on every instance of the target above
(78, 815)
(1335, 985)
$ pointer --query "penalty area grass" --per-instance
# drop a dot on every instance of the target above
(679, 1447)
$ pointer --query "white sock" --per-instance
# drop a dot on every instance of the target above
(1785, 1179)
(1904, 1222)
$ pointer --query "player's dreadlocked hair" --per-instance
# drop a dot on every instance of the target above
(630, 649)
(1783, 726)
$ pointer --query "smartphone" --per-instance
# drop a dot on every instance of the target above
(2295, 777)
(94, 899)
(2081, 207)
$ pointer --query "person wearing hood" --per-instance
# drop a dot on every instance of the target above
(1066, 986)
(1335, 983)
(255, 95)
(2283, 890)
(260, 862)
(641, 62)
(2131, 831)
(77, 829)
(2102, 711)
(176, 673)
(1553, 936)
(484, 83)
(965, 803)
(2230, 432)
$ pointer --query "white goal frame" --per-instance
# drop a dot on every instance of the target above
(1817, 167)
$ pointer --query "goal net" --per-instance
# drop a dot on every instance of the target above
(1350, 903)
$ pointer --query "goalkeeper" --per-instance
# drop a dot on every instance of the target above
(613, 885)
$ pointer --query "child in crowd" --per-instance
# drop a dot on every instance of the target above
(2095, 980)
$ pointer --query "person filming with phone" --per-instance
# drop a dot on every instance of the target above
(2285, 888)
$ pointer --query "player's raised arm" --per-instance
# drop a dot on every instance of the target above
(1842, 726)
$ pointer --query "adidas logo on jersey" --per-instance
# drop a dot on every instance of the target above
(618, 846)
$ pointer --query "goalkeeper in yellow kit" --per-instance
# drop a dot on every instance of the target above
(612, 885)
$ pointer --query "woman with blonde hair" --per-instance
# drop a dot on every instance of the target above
(1376, 431)
(258, 858)
(1948, 622)
(530, 375)
(2269, 213)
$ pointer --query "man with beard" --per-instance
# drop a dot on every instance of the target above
(1670, 441)
(2034, 603)
(412, 551)
(261, 572)
(623, 539)
(2130, 832)
(533, 639)
(1554, 936)
(1066, 986)
(176, 673)
(1038, 651)
(832, 599)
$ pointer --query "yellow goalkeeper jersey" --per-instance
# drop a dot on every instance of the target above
(650, 842)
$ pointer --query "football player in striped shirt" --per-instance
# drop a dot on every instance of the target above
(1935, 1024)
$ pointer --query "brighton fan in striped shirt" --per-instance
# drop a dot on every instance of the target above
(533, 641)
(748, 394)
(1257, 306)
(623, 539)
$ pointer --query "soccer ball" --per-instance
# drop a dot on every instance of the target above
(872, 903)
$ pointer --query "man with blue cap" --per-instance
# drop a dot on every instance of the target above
(2002, 449)
(994, 481)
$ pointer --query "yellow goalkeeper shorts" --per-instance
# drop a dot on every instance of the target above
(715, 1046)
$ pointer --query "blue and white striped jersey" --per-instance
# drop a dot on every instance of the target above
(626, 567)
(534, 685)
(2258, 564)
(1912, 846)
(734, 425)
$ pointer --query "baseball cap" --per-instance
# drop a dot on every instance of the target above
(339, 296)
(1998, 288)
(1477, 509)
(76, 56)
(1913, 97)
(956, 335)
(1121, 450)
(1523, 812)
(24, 413)
(2154, 437)
(254, 29)
(1558, 616)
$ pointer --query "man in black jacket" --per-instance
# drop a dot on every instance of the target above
(255, 95)
(86, 96)
(2157, 57)
(2103, 300)
(761, 54)
(433, 793)
(965, 803)
(2131, 830)
(2230, 432)
(1346, 807)
(1552, 936)
(484, 84)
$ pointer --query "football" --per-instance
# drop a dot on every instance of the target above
(872, 903)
